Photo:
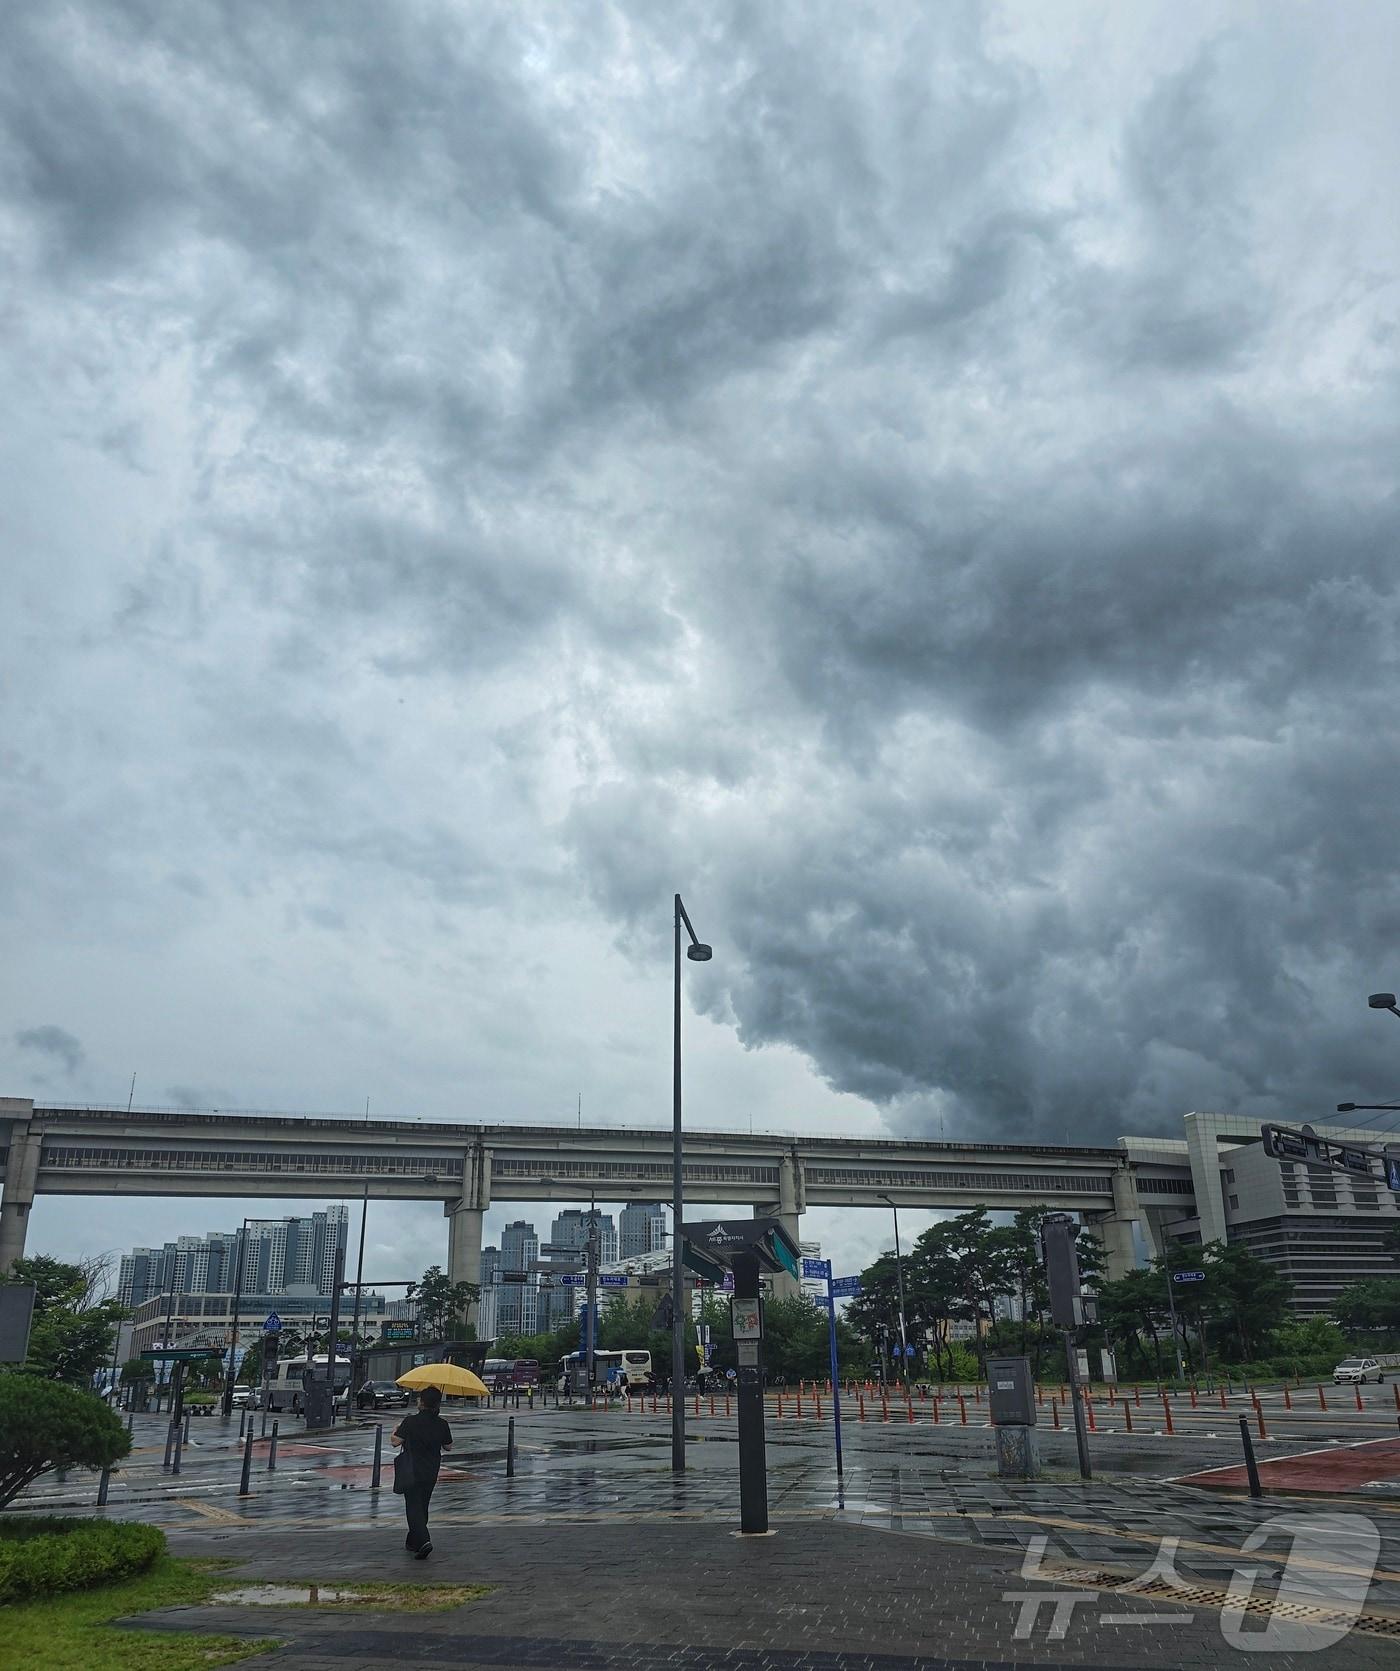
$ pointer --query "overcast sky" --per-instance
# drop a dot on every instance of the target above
(920, 479)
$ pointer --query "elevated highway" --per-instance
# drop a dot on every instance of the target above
(468, 1167)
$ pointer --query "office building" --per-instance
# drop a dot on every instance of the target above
(294, 1254)
(641, 1229)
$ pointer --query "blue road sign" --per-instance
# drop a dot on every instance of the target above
(816, 1267)
(909, 1351)
(272, 1323)
(845, 1286)
(1392, 1171)
(613, 1280)
(1188, 1276)
(573, 1279)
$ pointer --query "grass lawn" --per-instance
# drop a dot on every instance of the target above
(72, 1632)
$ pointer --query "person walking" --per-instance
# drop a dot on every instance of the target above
(421, 1438)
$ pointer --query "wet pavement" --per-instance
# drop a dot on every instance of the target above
(585, 1479)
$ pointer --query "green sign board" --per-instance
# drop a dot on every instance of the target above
(180, 1354)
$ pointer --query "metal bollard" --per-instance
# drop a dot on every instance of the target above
(263, 1433)
(169, 1447)
(102, 1485)
(175, 1458)
(1251, 1467)
(242, 1420)
(378, 1454)
(532, 1398)
(272, 1450)
(131, 1421)
(247, 1464)
(187, 1428)
(510, 1448)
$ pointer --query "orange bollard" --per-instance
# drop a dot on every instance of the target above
(1062, 1392)
(1321, 1398)
(799, 1401)
(1359, 1404)
(1137, 1397)
(818, 1398)
(1127, 1417)
(1395, 1388)
(712, 1404)
(726, 1404)
(1287, 1399)
(1223, 1404)
(860, 1400)
(977, 1392)
(780, 1406)
(1193, 1398)
(935, 1410)
(1055, 1410)
(1259, 1417)
(1167, 1412)
(910, 1404)
(1089, 1406)
(962, 1406)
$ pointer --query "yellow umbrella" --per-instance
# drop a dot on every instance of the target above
(447, 1378)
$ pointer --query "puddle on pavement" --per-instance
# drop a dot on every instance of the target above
(291, 1594)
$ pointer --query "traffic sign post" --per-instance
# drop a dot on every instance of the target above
(821, 1268)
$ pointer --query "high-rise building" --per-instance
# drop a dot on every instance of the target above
(517, 1303)
(279, 1256)
(642, 1229)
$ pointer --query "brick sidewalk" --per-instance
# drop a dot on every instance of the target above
(818, 1596)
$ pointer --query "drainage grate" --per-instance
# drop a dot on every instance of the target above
(1197, 1595)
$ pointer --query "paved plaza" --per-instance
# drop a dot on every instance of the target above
(598, 1556)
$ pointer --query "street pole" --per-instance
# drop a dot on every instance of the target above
(697, 953)
(359, 1290)
(1176, 1334)
(1081, 1431)
(590, 1292)
(835, 1369)
(677, 1241)
(899, 1277)
(337, 1284)
(233, 1336)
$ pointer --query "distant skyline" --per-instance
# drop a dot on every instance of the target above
(919, 480)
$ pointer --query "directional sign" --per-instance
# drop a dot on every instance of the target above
(177, 1354)
(572, 1279)
(816, 1267)
(845, 1287)
(1188, 1276)
(616, 1279)
(1392, 1170)
(272, 1323)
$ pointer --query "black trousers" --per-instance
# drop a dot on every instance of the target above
(415, 1508)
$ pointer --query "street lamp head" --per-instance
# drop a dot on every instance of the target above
(1346, 1107)
(1382, 1000)
(699, 953)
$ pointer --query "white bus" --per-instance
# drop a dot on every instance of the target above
(628, 1371)
(284, 1389)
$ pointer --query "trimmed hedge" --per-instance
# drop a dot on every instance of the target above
(44, 1557)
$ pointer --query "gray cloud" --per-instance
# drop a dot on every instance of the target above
(56, 1042)
(921, 480)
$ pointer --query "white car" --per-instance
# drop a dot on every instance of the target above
(1360, 1370)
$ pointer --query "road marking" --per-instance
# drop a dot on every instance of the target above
(212, 1511)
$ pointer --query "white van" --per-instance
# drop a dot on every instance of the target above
(1362, 1369)
(284, 1390)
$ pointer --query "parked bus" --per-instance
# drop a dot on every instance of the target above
(627, 1371)
(284, 1389)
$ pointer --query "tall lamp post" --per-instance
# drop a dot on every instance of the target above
(697, 952)
(899, 1277)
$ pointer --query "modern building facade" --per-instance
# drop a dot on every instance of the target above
(641, 1229)
(281, 1255)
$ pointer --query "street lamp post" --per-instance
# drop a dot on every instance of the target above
(899, 1277)
(697, 952)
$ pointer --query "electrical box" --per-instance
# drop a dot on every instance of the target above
(1010, 1392)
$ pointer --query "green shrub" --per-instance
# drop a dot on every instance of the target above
(43, 1557)
(44, 1424)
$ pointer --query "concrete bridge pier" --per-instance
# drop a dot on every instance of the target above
(1114, 1231)
(21, 1179)
(465, 1217)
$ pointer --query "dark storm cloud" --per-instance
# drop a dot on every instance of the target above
(951, 534)
(56, 1042)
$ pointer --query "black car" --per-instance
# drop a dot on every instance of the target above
(380, 1395)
